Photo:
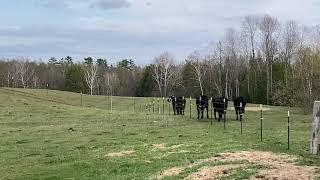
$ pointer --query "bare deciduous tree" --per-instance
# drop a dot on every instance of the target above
(289, 44)
(165, 73)
(269, 29)
(24, 71)
(90, 75)
(198, 69)
(250, 27)
(111, 81)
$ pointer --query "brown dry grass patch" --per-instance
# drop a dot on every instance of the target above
(120, 154)
(169, 172)
(212, 172)
(280, 166)
(158, 146)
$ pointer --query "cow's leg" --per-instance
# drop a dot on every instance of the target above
(202, 113)
(207, 112)
(198, 112)
(237, 113)
(220, 116)
(215, 113)
(174, 109)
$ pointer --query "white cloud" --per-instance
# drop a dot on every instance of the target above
(110, 4)
(145, 28)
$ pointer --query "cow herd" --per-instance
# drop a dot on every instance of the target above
(219, 106)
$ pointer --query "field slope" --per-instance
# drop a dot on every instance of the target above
(50, 135)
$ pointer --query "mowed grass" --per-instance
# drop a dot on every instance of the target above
(49, 135)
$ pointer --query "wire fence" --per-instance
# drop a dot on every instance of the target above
(263, 122)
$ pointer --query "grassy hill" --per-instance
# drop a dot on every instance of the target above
(50, 135)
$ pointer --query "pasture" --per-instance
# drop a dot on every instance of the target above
(49, 135)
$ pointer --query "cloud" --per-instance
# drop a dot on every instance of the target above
(140, 29)
(110, 4)
(79, 43)
(56, 4)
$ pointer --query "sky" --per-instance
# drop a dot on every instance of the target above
(136, 29)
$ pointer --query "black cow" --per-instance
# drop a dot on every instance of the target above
(220, 105)
(202, 104)
(240, 105)
(178, 105)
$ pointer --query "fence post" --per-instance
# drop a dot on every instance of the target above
(153, 106)
(134, 104)
(146, 108)
(225, 113)
(240, 117)
(162, 105)
(211, 105)
(111, 103)
(169, 107)
(184, 106)
(190, 106)
(47, 90)
(159, 105)
(261, 118)
(149, 108)
(81, 99)
(315, 128)
(288, 130)
(47, 94)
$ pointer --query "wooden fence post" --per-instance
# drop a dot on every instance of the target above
(153, 106)
(163, 105)
(81, 99)
(159, 105)
(261, 118)
(190, 106)
(111, 103)
(211, 107)
(315, 128)
(288, 130)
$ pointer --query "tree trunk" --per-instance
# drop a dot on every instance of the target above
(8, 79)
(226, 85)
(315, 128)
(271, 79)
(268, 83)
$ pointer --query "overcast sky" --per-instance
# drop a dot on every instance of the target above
(137, 29)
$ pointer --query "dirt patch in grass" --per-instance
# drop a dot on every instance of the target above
(158, 146)
(172, 171)
(120, 154)
(280, 166)
(215, 172)
(169, 172)
(257, 109)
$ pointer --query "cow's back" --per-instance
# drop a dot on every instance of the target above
(220, 103)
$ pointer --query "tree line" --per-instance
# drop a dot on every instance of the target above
(263, 60)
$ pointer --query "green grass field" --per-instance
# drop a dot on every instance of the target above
(37, 141)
